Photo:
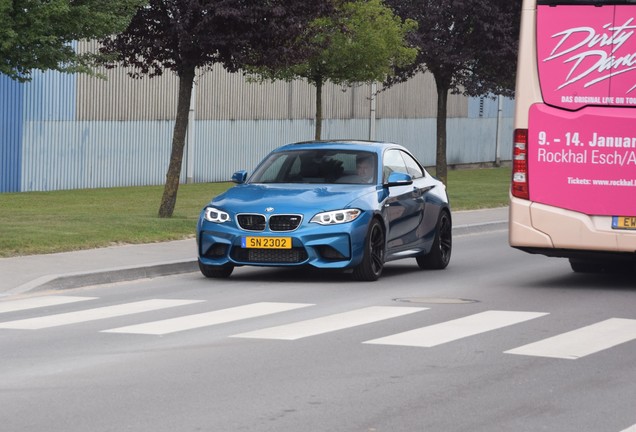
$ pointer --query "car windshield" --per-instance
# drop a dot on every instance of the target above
(317, 166)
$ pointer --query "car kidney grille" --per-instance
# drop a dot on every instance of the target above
(251, 222)
(270, 256)
(284, 222)
(257, 222)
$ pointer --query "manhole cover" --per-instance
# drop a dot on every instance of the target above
(435, 300)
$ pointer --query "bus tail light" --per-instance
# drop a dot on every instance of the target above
(520, 164)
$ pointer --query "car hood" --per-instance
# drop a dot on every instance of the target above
(296, 198)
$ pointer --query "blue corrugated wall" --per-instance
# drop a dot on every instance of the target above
(50, 96)
(11, 118)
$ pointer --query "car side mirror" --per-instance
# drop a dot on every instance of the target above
(239, 177)
(398, 179)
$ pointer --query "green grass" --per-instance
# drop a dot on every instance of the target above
(47, 222)
(478, 188)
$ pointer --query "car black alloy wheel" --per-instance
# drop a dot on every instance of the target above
(372, 263)
(216, 272)
(440, 254)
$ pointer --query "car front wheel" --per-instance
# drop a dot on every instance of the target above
(440, 254)
(372, 263)
(216, 272)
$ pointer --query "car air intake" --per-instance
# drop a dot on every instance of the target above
(269, 256)
(217, 250)
(327, 252)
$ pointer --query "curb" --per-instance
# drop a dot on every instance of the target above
(460, 230)
(106, 276)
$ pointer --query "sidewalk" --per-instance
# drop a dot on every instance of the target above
(20, 275)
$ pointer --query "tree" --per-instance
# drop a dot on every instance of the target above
(184, 36)
(37, 34)
(470, 47)
(364, 42)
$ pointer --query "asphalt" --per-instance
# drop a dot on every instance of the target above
(24, 274)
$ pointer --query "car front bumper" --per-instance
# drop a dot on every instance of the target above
(322, 246)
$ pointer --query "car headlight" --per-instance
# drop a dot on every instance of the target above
(215, 215)
(336, 216)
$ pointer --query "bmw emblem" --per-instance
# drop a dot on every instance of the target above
(269, 209)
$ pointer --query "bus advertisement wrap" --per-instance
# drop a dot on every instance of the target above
(585, 160)
(587, 56)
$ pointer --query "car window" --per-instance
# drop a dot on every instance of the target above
(393, 162)
(413, 167)
(317, 166)
(270, 169)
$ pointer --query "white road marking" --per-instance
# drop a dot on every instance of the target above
(93, 314)
(330, 323)
(449, 331)
(38, 302)
(208, 318)
(630, 429)
(582, 342)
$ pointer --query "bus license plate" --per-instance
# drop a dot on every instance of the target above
(266, 242)
(624, 222)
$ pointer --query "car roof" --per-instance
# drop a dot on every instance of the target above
(360, 145)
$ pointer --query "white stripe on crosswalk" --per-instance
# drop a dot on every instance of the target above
(208, 318)
(630, 429)
(93, 314)
(38, 302)
(456, 329)
(582, 342)
(330, 323)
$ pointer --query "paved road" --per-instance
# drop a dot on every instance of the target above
(501, 340)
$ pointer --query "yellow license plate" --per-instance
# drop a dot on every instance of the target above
(266, 242)
(624, 222)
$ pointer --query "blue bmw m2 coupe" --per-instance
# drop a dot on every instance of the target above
(328, 204)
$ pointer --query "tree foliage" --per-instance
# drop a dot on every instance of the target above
(186, 36)
(37, 34)
(363, 42)
(470, 47)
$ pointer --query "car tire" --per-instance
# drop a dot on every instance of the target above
(440, 253)
(372, 263)
(216, 272)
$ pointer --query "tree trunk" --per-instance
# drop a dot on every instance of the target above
(441, 167)
(318, 108)
(169, 198)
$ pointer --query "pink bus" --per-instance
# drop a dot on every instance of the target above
(573, 190)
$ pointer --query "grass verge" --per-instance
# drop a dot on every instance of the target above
(58, 221)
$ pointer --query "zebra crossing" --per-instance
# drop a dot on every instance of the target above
(222, 316)
(571, 345)
(456, 329)
(582, 342)
(93, 314)
(330, 323)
